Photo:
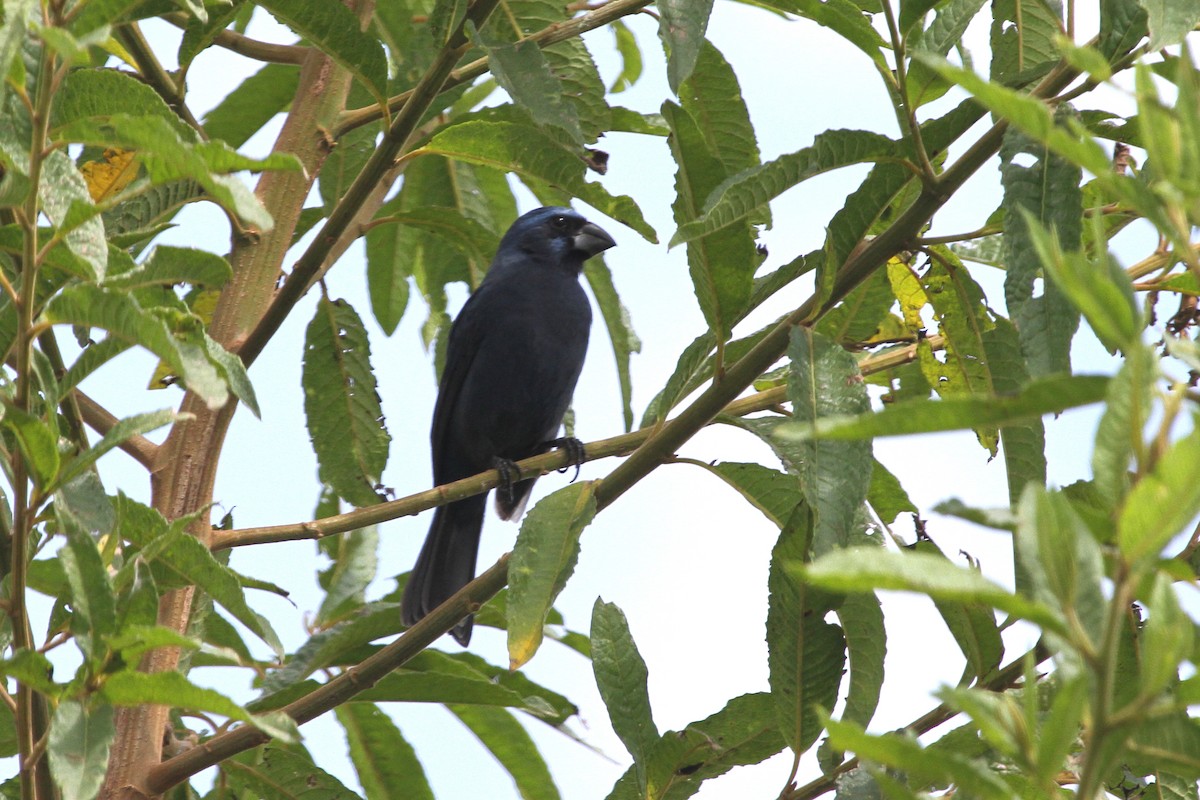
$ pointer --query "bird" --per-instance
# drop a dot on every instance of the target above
(513, 357)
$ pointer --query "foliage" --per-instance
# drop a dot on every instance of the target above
(392, 114)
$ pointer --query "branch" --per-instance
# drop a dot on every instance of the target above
(160, 80)
(551, 34)
(250, 48)
(1002, 679)
(537, 465)
(380, 162)
(353, 680)
(101, 420)
(859, 265)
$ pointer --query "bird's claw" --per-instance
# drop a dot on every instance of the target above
(576, 454)
(510, 475)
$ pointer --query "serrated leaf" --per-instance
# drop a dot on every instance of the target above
(1169, 22)
(823, 381)
(103, 92)
(1023, 39)
(621, 678)
(886, 496)
(355, 559)
(118, 433)
(530, 152)
(81, 506)
(748, 191)
(284, 773)
(385, 763)
(341, 404)
(521, 70)
(1024, 443)
(775, 494)
(337, 32)
(805, 654)
(1045, 396)
(38, 442)
(856, 570)
(80, 738)
(543, 559)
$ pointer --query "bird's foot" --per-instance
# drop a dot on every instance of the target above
(575, 453)
(510, 475)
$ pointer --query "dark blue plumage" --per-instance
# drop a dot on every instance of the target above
(513, 357)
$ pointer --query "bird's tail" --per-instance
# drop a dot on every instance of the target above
(446, 563)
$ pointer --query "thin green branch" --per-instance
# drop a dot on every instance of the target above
(245, 46)
(353, 680)
(131, 38)
(597, 17)
(904, 109)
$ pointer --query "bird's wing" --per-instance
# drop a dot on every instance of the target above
(465, 337)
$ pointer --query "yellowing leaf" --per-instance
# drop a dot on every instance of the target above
(111, 174)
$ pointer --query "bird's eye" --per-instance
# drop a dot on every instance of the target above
(559, 223)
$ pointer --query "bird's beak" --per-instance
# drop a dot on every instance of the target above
(591, 240)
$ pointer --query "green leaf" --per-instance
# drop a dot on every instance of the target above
(531, 153)
(823, 381)
(902, 752)
(748, 191)
(182, 555)
(1024, 443)
(233, 370)
(1169, 637)
(1048, 191)
(1023, 39)
(102, 93)
(62, 190)
(621, 678)
(1122, 26)
(625, 341)
(384, 761)
(122, 430)
(776, 494)
(859, 570)
(1162, 502)
(681, 26)
(543, 559)
(845, 18)
(282, 772)
(1045, 396)
(38, 442)
(132, 688)
(345, 162)
(246, 109)
(355, 560)
(337, 32)
(721, 265)
(1060, 564)
(713, 98)
(81, 506)
(512, 746)
(92, 601)
(345, 420)
(973, 625)
(1167, 744)
(866, 646)
(1170, 22)
(805, 654)
(521, 70)
(80, 738)
(886, 496)
(631, 58)
(167, 266)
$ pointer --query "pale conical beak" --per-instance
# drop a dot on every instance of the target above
(591, 240)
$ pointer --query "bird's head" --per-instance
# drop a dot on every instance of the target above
(559, 232)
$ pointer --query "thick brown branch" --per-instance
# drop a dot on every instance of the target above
(337, 691)
(484, 481)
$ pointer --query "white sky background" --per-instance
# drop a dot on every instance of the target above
(681, 553)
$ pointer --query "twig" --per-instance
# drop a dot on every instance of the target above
(250, 48)
(353, 680)
(130, 36)
(547, 462)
